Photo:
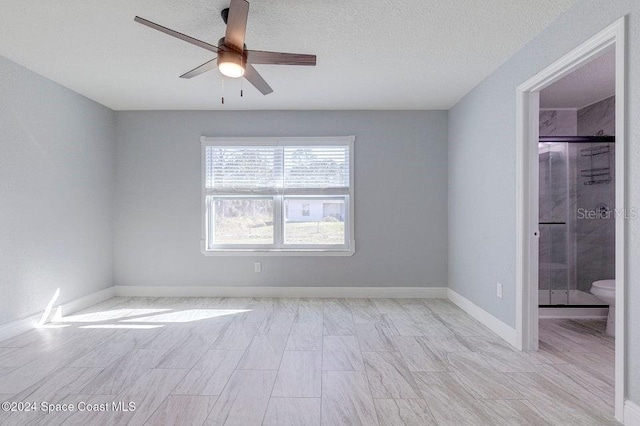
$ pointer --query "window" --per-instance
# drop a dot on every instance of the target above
(278, 195)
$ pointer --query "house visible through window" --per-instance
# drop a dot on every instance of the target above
(278, 195)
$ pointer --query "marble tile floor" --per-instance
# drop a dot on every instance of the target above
(224, 361)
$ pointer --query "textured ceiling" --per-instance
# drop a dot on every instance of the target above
(372, 54)
(588, 84)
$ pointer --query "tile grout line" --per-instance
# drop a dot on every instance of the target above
(366, 374)
(277, 372)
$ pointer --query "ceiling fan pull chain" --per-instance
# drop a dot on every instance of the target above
(222, 89)
(241, 87)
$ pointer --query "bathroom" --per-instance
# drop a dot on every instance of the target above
(576, 273)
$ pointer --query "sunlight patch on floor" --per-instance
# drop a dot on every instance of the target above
(188, 315)
(124, 326)
(109, 315)
(51, 325)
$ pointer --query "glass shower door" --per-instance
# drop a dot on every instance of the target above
(553, 269)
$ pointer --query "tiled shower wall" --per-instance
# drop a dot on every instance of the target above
(600, 116)
(595, 248)
(565, 198)
(558, 122)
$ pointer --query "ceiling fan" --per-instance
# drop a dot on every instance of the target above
(234, 59)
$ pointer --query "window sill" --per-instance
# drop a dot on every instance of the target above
(272, 252)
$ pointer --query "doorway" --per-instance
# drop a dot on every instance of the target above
(530, 266)
(576, 189)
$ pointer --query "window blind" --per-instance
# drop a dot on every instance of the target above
(243, 168)
(274, 168)
(316, 167)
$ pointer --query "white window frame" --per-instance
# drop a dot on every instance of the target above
(279, 248)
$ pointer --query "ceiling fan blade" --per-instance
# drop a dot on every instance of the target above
(279, 58)
(176, 34)
(207, 66)
(237, 24)
(253, 77)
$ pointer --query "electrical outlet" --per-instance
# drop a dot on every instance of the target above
(257, 267)
(499, 290)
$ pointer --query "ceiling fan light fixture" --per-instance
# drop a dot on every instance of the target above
(231, 64)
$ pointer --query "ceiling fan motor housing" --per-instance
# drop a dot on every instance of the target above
(232, 60)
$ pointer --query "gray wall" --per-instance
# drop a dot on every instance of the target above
(56, 193)
(482, 169)
(400, 199)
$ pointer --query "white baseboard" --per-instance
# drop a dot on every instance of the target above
(320, 292)
(14, 328)
(494, 324)
(86, 301)
(631, 413)
(20, 326)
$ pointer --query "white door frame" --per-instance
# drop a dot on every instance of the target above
(527, 232)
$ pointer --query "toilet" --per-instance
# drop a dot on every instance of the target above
(605, 290)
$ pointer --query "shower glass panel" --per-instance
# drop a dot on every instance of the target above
(577, 229)
(554, 196)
